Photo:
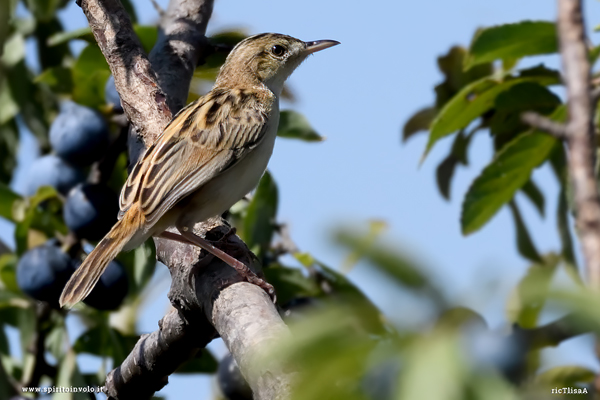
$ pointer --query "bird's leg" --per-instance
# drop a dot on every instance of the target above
(241, 268)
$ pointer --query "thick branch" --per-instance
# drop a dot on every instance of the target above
(156, 356)
(249, 324)
(579, 132)
(180, 43)
(143, 100)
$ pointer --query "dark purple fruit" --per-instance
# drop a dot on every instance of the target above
(91, 210)
(43, 271)
(111, 289)
(51, 170)
(79, 134)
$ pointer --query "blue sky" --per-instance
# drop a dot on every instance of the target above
(359, 95)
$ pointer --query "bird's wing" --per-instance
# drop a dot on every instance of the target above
(203, 140)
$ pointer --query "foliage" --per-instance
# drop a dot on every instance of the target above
(342, 346)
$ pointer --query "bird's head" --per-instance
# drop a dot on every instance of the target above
(268, 58)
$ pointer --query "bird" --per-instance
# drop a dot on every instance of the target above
(210, 155)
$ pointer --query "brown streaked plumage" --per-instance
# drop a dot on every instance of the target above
(211, 154)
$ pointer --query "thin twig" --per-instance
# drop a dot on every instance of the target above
(579, 133)
(545, 124)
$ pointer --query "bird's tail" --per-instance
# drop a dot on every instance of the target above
(87, 275)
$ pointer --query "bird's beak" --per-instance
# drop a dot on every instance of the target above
(318, 45)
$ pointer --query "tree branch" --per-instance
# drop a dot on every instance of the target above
(149, 98)
(579, 133)
(545, 124)
(144, 102)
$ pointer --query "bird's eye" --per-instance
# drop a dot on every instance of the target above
(278, 50)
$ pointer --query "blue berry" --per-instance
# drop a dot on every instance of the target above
(79, 134)
(51, 170)
(91, 210)
(111, 289)
(43, 271)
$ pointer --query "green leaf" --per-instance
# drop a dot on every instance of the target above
(566, 376)
(525, 244)
(90, 74)
(290, 283)
(259, 223)
(507, 173)
(294, 125)
(7, 202)
(389, 260)
(512, 41)
(474, 100)
(202, 363)
(418, 122)
(14, 50)
(43, 10)
(436, 356)
(458, 155)
(456, 77)
(64, 37)
(69, 375)
(9, 145)
(528, 298)
(144, 265)
(59, 79)
(533, 193)
(40, 217)
(10, 107)
(8, 272)
(148, 35)
(105, 341)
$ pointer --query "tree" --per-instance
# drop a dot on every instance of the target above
(334, 343)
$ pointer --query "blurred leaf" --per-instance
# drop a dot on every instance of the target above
(41, 218)
(331, 357)
(338, 286)
(456, 77)
(65, 37)
(290, 283)
(7, 200)
(508, 172)
(389, 260)
(512, 41)
(259, 222)
(144, 264)
(50, 56)
(458, 155)
(90, 74)
(474, 100)
(32, 100)
(26, 323)
(438, 356)
(105, 341)
(69, 375)
(57, 340)
(202, 363)
(294, 125)
(524, 242)
(10, 107)
(43, 10)
(528, 298)
(566, 376)
(8, 272)
(14, 50)
(419, 121)
(148, 34)
(6, 389)
(59, 79)
(376, 229)
(533, 193)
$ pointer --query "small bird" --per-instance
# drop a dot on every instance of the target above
(209, 156)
